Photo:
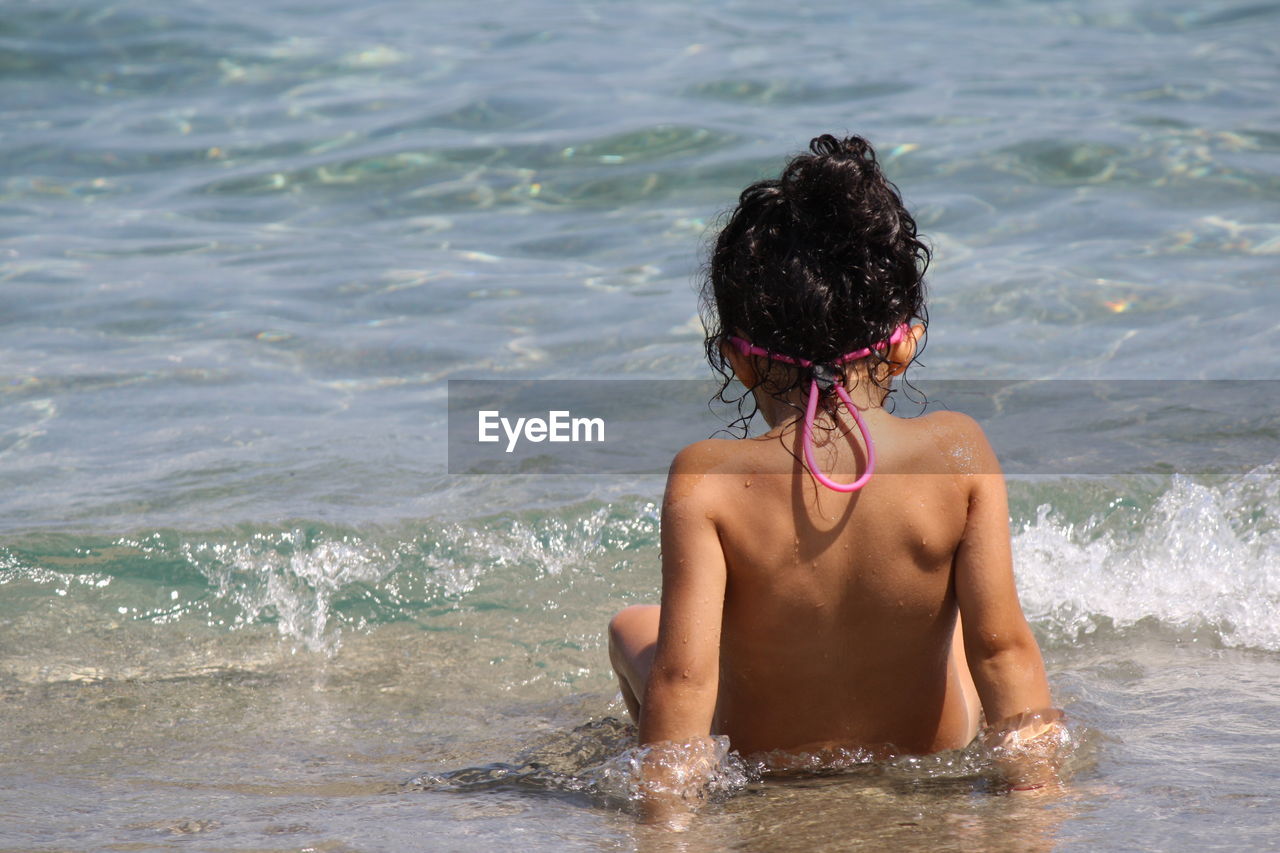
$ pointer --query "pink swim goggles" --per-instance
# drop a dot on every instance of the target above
(825, 377)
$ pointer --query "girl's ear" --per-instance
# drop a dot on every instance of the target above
(743, 366)
(901, 353)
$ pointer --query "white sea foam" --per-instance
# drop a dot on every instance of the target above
(301, 580)
(286, 575)
(1201, 556)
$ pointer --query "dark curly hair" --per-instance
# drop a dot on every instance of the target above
(816, 263)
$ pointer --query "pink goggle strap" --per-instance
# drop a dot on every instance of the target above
(811, 411)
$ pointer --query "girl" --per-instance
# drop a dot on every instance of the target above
(844, 581)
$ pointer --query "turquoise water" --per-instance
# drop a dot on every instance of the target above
(243, 605)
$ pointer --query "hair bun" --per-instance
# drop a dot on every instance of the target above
(839, 188)
(851, 147)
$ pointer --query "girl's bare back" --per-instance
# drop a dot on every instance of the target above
(839, 611)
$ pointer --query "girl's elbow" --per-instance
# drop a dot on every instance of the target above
(684, 678)
(1002, 645)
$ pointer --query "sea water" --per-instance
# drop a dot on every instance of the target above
(243, 602)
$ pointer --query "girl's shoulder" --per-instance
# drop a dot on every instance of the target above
(713, 467)
(690, 487)
(961, 442)
(710, 455)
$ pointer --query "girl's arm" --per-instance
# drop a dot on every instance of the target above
(680, 697)
(1004, 658)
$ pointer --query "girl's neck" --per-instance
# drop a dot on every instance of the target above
(865, 393)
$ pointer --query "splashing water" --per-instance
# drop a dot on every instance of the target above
(291, 577)
(600, 760)
(314, 582)
(1199, 557)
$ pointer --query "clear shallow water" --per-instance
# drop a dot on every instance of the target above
(242, 604)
